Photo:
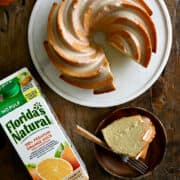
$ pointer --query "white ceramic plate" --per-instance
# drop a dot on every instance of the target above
(131, 79)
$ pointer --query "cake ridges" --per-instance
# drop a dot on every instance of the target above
(127, 24)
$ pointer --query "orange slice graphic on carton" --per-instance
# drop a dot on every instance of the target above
(54, 168)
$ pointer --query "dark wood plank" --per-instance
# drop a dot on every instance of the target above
(163, 98)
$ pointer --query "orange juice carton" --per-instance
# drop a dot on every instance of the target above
(34, 131)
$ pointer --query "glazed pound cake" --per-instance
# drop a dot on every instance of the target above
(127, 24)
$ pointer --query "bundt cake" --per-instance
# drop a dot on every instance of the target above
(130, 135)
(81, 62)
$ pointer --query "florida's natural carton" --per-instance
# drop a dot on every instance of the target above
(34, 131)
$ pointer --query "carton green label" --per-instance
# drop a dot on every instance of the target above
(16, 92)
(11, 96)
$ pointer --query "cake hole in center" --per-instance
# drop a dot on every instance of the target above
(99, 38)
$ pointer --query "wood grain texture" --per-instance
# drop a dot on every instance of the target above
(163, 98)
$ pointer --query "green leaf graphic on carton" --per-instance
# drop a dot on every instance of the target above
(59, 150)
(31, 165)
(32, 170)
(37, 106)
(22, 76)
(11, 96)
(68, 155)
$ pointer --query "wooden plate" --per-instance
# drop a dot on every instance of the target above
(156, 149)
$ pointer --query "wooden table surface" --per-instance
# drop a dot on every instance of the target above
(163, 98)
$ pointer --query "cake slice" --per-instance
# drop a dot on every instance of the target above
(129, 135)
(150, 134)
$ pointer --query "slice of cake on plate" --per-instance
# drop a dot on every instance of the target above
(130, 135)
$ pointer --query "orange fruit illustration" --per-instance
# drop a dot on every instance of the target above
(69, 156)
(54, 169)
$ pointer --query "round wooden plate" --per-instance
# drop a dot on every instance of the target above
(156, 149)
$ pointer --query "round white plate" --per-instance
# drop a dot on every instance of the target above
(131, 79)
